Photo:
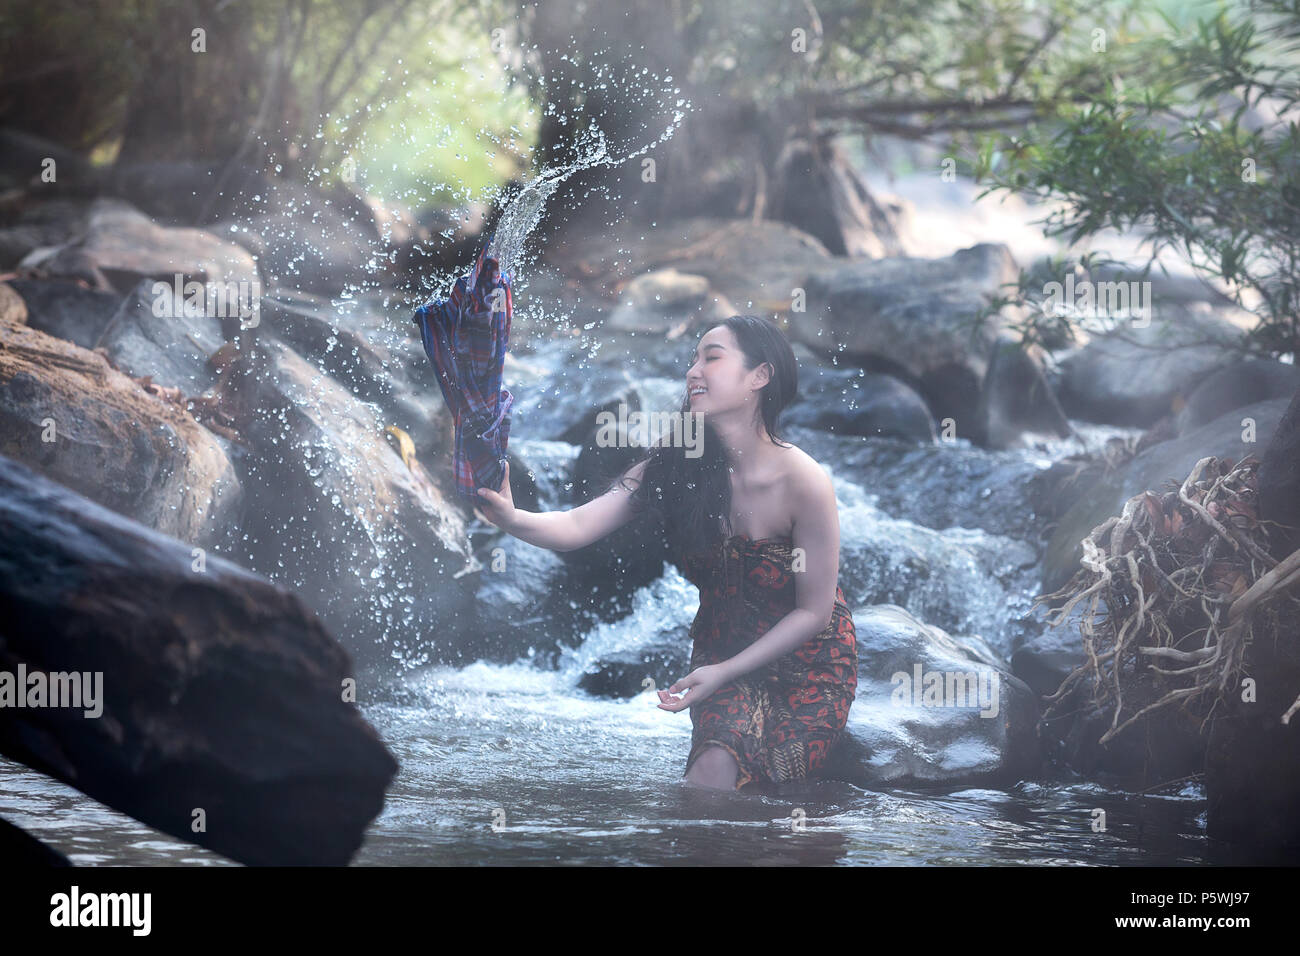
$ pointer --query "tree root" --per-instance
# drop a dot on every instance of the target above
(1188, 585)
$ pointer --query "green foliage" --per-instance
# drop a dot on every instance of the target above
(1206, 159)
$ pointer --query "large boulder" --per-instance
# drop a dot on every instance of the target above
(1016, 399)
(214, 706)
(850, 401)
(335, 511)
(375, 354)
(966, 721)
(153, 333)
(67, 413)
(1138, 372)
(121, 246)
(919, 315)
(67, 310)
(1235, 385)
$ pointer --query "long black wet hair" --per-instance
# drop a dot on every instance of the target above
(691, 497)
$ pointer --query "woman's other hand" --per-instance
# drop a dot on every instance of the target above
(498, 507)
(699, 684)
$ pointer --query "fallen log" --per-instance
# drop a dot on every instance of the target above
(221, 714)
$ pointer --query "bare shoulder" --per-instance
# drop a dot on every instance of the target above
(804, 478)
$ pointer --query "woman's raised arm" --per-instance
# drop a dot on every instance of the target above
(562, 530)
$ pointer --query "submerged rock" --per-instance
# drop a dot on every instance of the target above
(221, 714)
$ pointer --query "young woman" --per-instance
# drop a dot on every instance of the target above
(753, 524)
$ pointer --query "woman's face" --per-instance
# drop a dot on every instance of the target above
(718, 369)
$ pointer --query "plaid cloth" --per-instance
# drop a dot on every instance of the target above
(466, 340)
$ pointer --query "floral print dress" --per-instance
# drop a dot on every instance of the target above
(780, 721)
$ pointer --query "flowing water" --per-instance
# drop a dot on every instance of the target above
(514, 764)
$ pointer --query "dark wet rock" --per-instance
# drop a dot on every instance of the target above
(627, 673)
(20, 849)
(1150, 470)
(66, 413)
(67, 310)
(174, 348)
(1044, 662)
(1279, 482)
(121, 246)
(895, 739)
(1170, 745)
(219, 691)
(375, 353)
(334, 511)
(934, 485)
(1015, 398)
(1235, 385)
(857, 402)
(918, 314)
(1252, 772)
(35, 219)
(1134, 375)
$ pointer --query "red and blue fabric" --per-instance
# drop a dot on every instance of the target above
(466, 336)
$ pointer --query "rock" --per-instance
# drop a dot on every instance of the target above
(125, 246)
(1044, 662)
(1252, 785)
(652, 641)
(1134, 375)
(1279, 481)
(917, 314)
(1149, 470)
(216, 690)
(40, 225)
(1170, 745)
(66, 413)
(314, 251)
(895, 739)
(757, 266)
(858, 402)
(334, 512)
(21, 850)
(1015, 398)
(669, 301)
(623, 676)
(13, 310)
(1242, 383)
(173, 348)
(67, 310)
(379, 361)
